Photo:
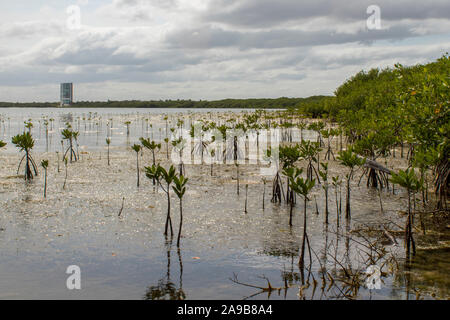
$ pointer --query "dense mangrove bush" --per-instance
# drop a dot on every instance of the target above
(381, 110)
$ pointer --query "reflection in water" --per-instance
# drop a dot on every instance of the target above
(82, 219)
(426, 274)
(337, 273)
(166, 289)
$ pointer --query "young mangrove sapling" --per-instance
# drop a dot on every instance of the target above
(69, 135)
(408, 180)
(137, 149)
(324, 174)
(25, 142)
(108, 142)
(180, 188)
(44, 164)
(351, 160)
(158, 172)
(302, 187)
(292, 174)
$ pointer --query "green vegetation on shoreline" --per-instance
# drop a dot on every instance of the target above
(279, 103)
(378, 91)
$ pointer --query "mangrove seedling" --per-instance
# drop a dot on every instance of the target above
(329, 135)
(232, 150)
(166, 140)
(351, 160)
(69, 135)
(212, 153)
(2, 144)
(408, 180)
(318, 127)
(75, 137)
(65, 178)
(337, 184)
(44, 164)
(324, 175)
(168, 176)
(57, 160)
(46, 135)
(29, 125)
(303, 187)
(108, 142)
(179, 145)
(309, 151)
(424, 161)
(127, 123)
(272, 155)
(220, 134)
(302, 126)
(197, 133)
(25, 142)
(292, 174)
(152, 146)
(180, 188)
(137, 149)
(442, 175)
(288, 156)
(264, 192)
(237, 177)
(246, 198)
(158, 172)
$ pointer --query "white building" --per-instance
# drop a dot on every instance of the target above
(66, 94)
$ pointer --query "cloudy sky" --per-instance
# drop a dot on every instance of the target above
(207, 49)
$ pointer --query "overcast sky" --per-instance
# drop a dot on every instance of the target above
(207, 49)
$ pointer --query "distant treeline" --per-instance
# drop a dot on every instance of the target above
(29, 105)
(279, 103)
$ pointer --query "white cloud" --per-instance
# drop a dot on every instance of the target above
(141, 49)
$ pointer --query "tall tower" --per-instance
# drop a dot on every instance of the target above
(66, 94)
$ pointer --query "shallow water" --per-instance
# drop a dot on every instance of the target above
(95, 124)
(127, 257)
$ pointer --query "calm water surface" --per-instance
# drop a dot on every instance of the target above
(127, 257)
